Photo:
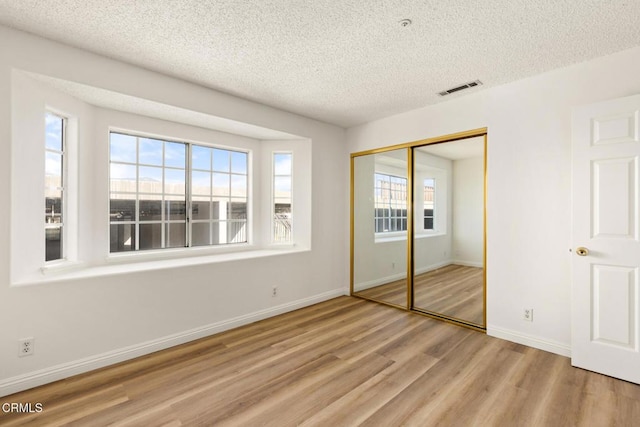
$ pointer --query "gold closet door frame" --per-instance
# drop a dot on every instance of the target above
(409, 146)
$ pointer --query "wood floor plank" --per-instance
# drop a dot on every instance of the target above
(345, 362)
(357, 405)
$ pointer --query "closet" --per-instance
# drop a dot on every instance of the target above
(418, 227)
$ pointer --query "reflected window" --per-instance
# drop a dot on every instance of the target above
(282, 197)
(153, 183)
(54, 182)
(429, 203)
(390, 203)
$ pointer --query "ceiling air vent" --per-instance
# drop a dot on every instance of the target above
(459, 88)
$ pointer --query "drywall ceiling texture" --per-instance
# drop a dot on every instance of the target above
(344, 62)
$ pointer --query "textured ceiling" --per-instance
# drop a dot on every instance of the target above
(340, 61)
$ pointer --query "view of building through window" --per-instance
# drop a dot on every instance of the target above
(54, 187)
(152, 186)
(390, 203)
(282, 197)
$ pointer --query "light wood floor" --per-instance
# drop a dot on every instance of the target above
(454, 290)
(345, 362)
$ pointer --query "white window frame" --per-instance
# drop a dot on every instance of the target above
(188, 196)
(63, 189)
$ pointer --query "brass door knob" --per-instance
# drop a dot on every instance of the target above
(582, 251)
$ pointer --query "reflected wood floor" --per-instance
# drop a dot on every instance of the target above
(344, 362)
(453, 290)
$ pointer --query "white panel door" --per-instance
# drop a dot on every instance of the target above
(606, 241)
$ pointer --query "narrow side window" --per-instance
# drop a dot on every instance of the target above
(54, 183)
(429, 203)
(282, 197)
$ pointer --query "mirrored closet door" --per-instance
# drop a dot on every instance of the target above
(448, 232)
(379, 224)
(418, 227)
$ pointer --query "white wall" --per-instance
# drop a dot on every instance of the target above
(468, 206)
(529, 188)
(125, 314)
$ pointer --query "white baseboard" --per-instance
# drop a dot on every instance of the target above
(377, 282)
(468, 263)
(384, 280)
(428, 268)
(65, 370)
(530, 340)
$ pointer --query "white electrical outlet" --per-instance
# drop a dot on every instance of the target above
(26, 346)
(527, 314)
(274, 291)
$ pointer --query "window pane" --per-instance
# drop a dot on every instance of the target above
(122, 208)
(219, 208)
(150, 210)
(150, 180)
(220, 184)
(218, 232)
(175, 210)
(122, 148)
(53, 207)
(175, 154)
(175, 235)
(237, 210)
(221, 160)
(53, 243)
(150, 236)
(200, 157)
(201, 183)
(239, 185)
(53, 169)
(282, 187)
(282, 230)
(237, 231)
(200, 234)
(123, 178)
(53, 132)
(174, 181)
(150, 151)
(149, 173)
(282, 208)
(282, 164)
(428, 223)
(238, 162)
(122, 237)
(200, 208)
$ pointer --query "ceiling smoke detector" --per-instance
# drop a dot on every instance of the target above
(461, 87)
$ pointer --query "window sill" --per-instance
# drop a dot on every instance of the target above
(398, 237)
(133, 265)
(427, 235)
(391, 237)
(61, 267)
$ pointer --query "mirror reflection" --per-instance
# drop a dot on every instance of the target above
(449, 229)
(380, 226)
